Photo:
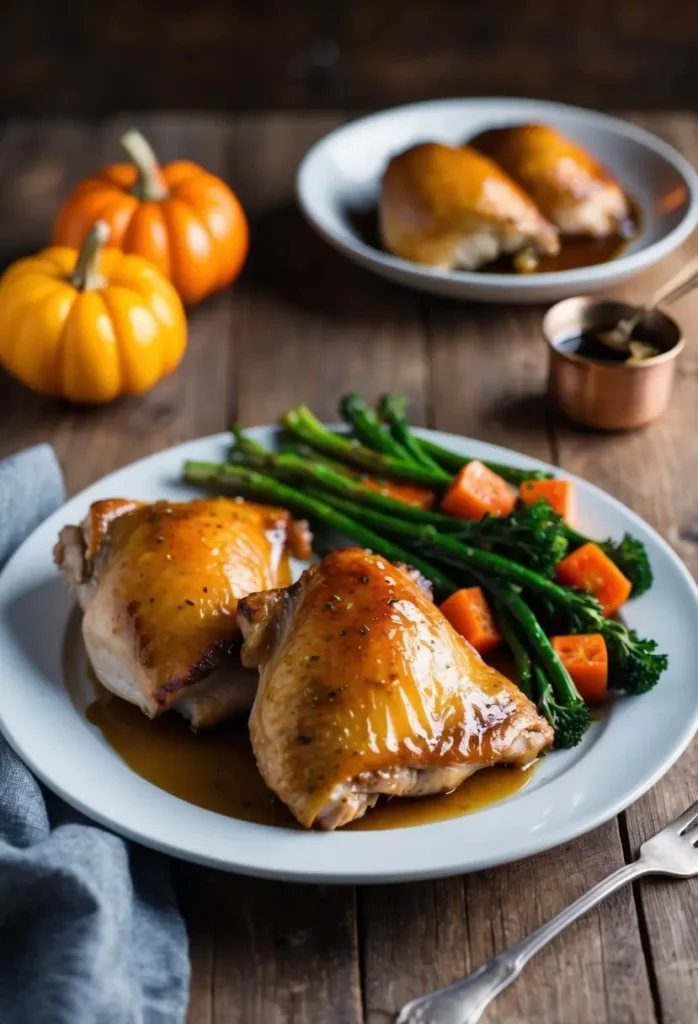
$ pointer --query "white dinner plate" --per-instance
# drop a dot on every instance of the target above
(341, 174)
(570, 792)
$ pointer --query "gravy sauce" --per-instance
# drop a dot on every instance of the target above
(217, 770)
(575, 251)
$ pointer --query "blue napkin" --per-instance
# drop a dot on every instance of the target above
(90, 932)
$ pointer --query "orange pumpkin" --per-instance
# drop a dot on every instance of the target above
(179, 217)
(89, 325)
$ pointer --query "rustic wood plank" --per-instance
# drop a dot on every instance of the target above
(652, 471)
(283, 953)
(413, 939)
(488, 381)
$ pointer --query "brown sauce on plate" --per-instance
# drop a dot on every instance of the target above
(575, 251)
(217, 770)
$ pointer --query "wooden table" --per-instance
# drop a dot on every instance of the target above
(304, 324)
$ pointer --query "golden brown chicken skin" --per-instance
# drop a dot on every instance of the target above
(453, 207)
(365, 688)
(571, 188)
(160, 585)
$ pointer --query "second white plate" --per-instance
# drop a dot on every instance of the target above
(342, 173)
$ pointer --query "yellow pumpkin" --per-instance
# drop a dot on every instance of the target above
(89, 325)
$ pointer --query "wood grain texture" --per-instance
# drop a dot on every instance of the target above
(270, 952)
(304, 325)
(90, 60)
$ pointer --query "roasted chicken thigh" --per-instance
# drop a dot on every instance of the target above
(365, 688)
(452, 207)
(570, 186)
(160, 584)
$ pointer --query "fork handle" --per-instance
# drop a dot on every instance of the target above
(465, 1001)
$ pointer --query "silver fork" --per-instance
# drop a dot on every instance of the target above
(670, 852)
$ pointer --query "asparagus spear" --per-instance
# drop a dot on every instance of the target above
(355, 410)
(532, 534)
(445, 548)
(522, 659)
(301, 423)
(321, 475)
(393, 409)
(453, 463)
(558, 698)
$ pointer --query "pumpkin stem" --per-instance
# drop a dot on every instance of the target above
(150, 184)
(85, 276)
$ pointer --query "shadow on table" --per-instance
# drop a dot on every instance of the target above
(289, 260)
(528, 415)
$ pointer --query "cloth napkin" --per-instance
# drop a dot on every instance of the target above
(90, 932)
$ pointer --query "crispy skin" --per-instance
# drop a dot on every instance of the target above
(572, 189)
(160, 585)
(365, 688)
(453, 207)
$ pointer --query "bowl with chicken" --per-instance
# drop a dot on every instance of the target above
(253, 658)
(499, 200)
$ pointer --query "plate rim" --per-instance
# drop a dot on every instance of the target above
(621, 267)
(328, 873)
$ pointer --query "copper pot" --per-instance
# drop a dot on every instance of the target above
(608, 395)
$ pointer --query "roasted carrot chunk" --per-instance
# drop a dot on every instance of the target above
(409, 494)
(470, 615)
(586, 659)
(476, 491)
(588, 568)
(559, 494)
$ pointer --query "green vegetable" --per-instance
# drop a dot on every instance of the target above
(304, 426)
(355, 411)
(321, 474)
(570, 721)
(634, 664)
(453, 462)
(522, 658)
(533, 533)
(392, 408)
(558, 698)
(564, 709)
(301, 423)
